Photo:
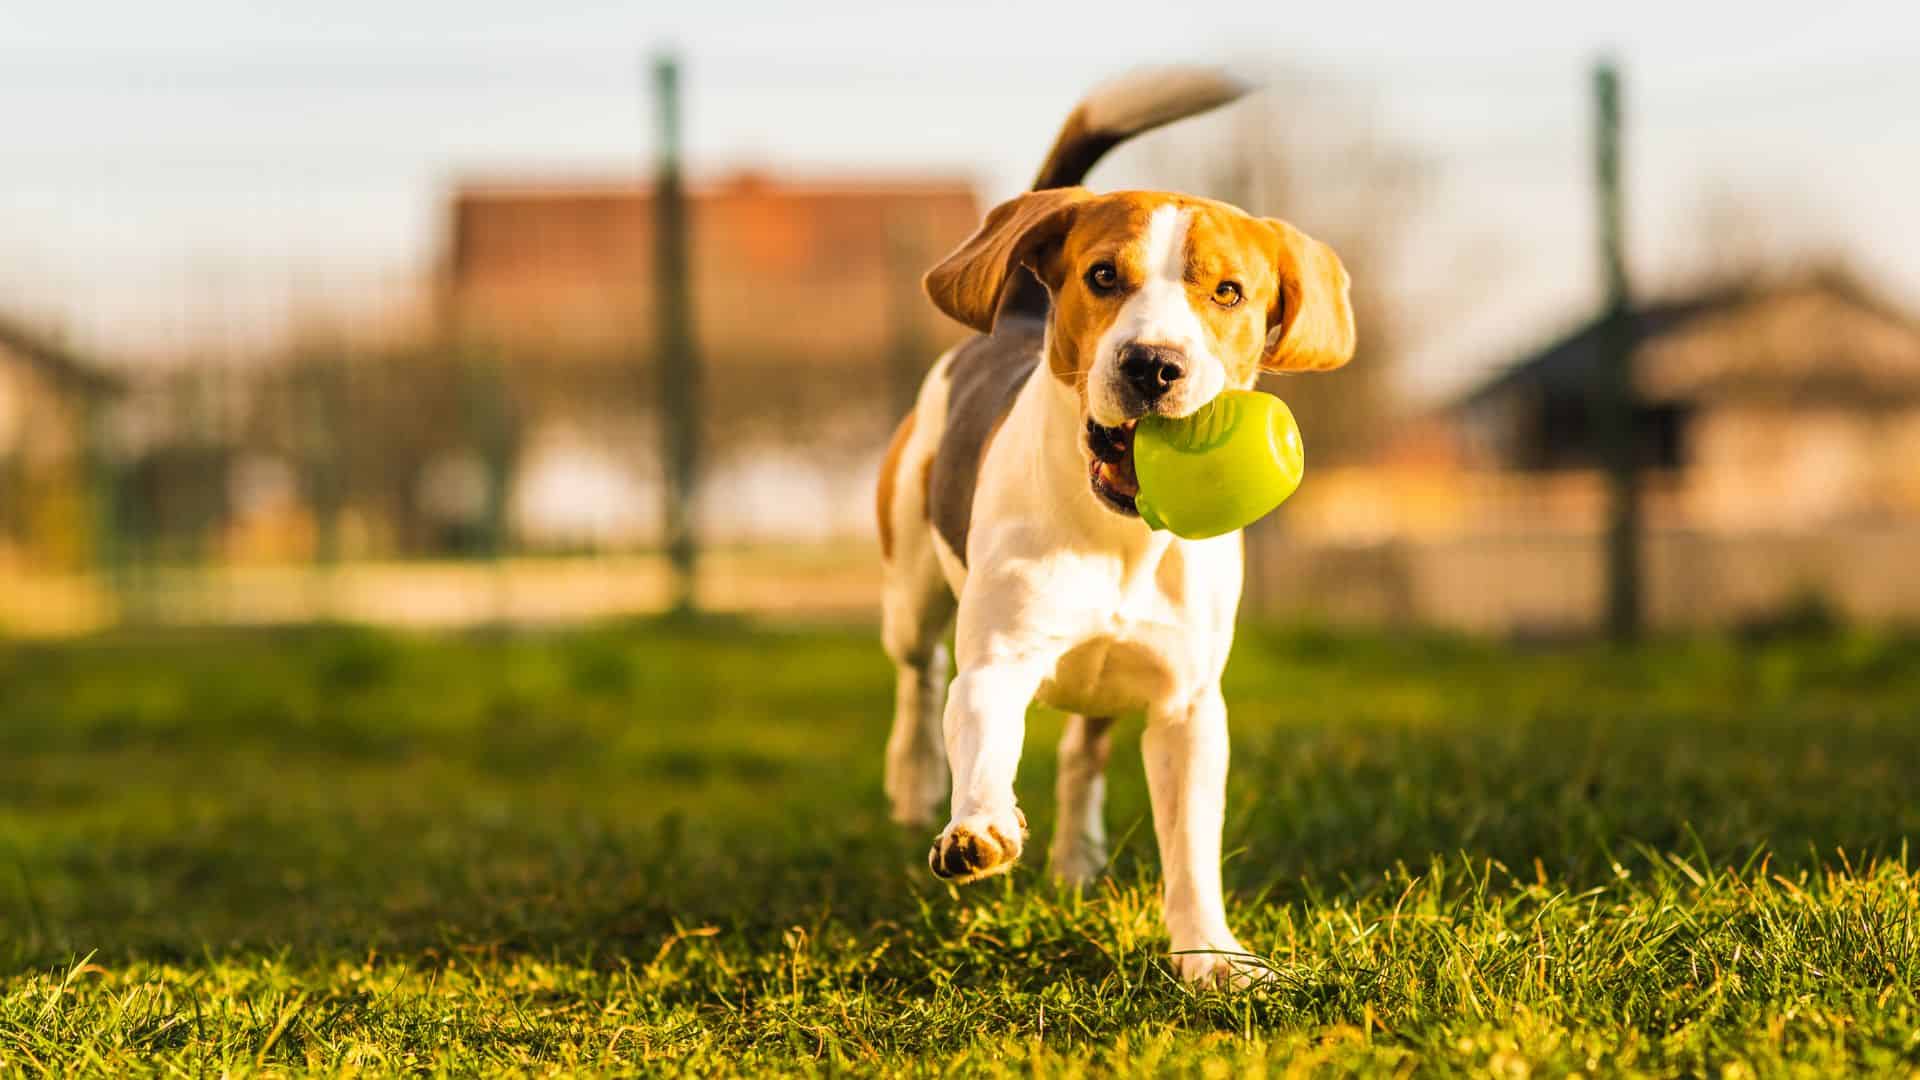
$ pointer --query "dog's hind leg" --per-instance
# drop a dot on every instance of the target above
(1079, 851)
(916, 763)
(917, 609)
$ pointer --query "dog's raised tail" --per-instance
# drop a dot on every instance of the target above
(1136, 102)
(1114, 112)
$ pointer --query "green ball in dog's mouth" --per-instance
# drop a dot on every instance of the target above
(1223, 468)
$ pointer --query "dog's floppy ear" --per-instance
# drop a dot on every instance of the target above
(1310, 325)
(969, 284)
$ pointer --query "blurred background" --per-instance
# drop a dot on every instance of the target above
(452, 315)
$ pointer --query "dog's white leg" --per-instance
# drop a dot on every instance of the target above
(1185, 748)
(1080, 834)
(916, 764)
(985, 724)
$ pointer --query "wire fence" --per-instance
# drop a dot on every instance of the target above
(295, 435)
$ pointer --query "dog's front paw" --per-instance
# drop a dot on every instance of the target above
(1220, 967)
(978, 846)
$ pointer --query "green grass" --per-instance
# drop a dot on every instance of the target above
(644, 850)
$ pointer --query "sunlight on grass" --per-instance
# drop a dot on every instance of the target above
(667, 850)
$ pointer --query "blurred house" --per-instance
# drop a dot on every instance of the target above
(809, 271)
(1792, 405)
(47, 400)
(808, 318)
(1779, 423)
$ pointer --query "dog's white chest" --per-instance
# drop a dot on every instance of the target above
(1120, 633)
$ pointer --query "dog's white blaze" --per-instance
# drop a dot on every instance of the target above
(1160, 312)
(1167, 245)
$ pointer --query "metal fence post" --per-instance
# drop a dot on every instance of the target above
(675, 352)
(1625, 613)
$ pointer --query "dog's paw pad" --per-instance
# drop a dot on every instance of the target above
(978, 846)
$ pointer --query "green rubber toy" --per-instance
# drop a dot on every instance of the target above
(1222, 468)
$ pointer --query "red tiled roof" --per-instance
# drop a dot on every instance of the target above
(810, 266)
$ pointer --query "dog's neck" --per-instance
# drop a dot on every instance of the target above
(1063, 483)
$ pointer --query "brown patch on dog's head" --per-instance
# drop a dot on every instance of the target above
(1293, 312)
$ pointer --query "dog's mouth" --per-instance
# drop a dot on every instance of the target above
(1111, 471)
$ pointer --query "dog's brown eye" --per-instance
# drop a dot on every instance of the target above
(1103, 278)
(1227, 293)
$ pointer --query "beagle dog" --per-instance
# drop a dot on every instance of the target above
(1006, 507)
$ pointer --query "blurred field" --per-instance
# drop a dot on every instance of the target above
(814, 582)
(656, 849)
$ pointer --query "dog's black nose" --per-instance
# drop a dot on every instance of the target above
(1152, 369)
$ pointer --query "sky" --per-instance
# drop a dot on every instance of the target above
(175, 167)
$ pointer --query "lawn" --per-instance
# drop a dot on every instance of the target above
(649, 850)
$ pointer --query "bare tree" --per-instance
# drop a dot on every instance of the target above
(1306, 149)
(1738, 237)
